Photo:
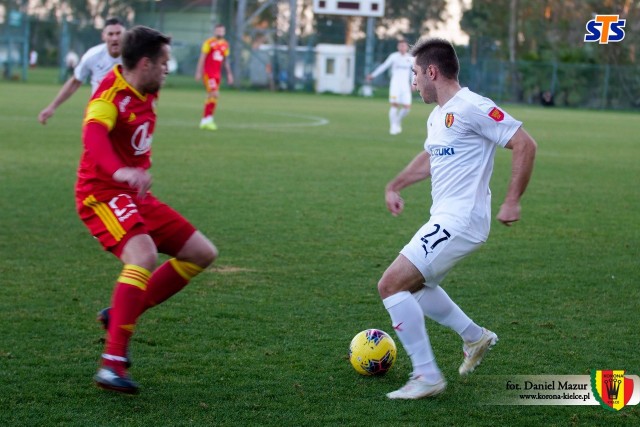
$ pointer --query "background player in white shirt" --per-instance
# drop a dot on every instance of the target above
(464, 131)
(96, 62)
(400, 63)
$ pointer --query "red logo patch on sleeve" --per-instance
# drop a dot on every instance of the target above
(496, 114)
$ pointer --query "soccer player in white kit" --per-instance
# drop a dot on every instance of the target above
(400, 63)
(96, 62)
(464, 131)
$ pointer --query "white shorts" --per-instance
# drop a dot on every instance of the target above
(436, 248)
(400, 94)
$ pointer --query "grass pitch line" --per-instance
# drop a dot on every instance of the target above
(311, 121)
(306, 121)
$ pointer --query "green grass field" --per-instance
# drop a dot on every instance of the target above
(290, 189)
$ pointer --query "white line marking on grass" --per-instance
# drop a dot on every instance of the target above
(310, 121)
(313, 121)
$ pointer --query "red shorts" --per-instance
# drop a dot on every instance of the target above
(114, 216)
(211, 83)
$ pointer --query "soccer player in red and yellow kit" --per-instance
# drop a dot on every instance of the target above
(114, 201)
(209, 69)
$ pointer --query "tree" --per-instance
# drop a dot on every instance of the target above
(416, 13)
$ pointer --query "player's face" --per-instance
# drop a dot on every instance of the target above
(424, 84)
(156, 72)
(403, 47)
(112, 36)
(219, 32)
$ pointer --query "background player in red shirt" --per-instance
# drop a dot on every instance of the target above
(209, 69)
(114, 202)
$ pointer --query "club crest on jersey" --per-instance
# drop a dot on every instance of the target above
(448, 120)
(496, 114)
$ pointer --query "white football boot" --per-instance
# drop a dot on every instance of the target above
(475, 352)
(418, 388)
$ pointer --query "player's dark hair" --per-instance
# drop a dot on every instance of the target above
(113, 21)
(438, 52)
(142, 42)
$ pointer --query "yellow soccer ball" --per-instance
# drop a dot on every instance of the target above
(372, 352)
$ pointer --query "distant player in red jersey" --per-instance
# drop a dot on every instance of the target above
(209, 69)
(114, 202)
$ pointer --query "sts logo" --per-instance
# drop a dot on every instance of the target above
(605, 29)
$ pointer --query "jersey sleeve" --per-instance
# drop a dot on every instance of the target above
(83, 69)
(382, 67)
(494, 124)
(95, 137)
(101, 111)
(206, 47)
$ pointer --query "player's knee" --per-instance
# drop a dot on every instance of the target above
(386, 286)
(209, 254)
(141, 251)
(199, 250)
(393, 282)
(144, 259)
(149, 260)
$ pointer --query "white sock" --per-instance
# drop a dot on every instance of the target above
(408, 321)
(207, 119)
(437, 305)
(393, 116)
(402, 114)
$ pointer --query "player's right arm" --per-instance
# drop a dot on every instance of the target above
(380, 68)
(200, 66)
(204, 51)
(69, 88)
(417, 170)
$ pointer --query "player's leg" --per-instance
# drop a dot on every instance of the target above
(139, 256)
(207, 121)
(437, 305)
(192, 252)
(115, 220)
(393, 119)
(407, 318)
(395, 101)
(173, 275)
(403, 100)
(404, 108)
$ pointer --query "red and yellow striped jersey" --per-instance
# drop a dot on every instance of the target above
(216, 49)
(117, 132)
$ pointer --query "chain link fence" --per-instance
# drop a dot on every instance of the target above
(263, 62)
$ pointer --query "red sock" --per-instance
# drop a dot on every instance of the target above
(126, 305)
(210, 106)
(169, 279)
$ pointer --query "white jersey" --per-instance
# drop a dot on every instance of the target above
(400, 69)
(96, 62)
(462, 138)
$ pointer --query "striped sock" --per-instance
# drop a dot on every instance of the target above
(126, 305)
(169, 279)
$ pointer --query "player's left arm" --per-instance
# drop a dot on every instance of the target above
(227, 68)
(523, 148)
